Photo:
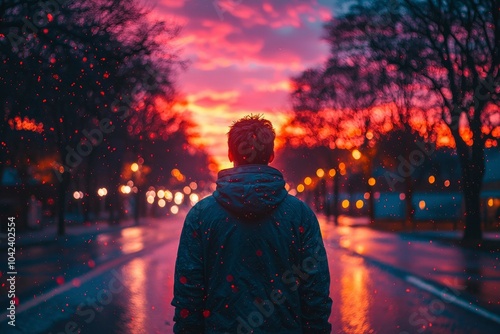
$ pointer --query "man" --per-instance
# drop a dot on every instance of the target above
(251, 258)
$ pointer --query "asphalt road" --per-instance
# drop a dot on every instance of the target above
(122, 282)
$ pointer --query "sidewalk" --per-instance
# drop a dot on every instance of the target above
(490, 242)
(426, 258)
(49, 233)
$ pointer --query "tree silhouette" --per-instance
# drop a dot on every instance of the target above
(438, 63)
(82, 69)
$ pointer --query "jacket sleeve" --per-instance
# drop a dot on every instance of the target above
(314, 288)
(189, 286)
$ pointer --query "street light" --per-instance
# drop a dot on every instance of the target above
(356, 154)
(307, 181)
(372, 181)
(125, 189)
(102, 192)
(320, 172)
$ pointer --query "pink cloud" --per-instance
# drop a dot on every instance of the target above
(242, 55)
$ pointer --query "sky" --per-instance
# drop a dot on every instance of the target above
(242, 54)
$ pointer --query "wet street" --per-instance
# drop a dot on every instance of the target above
(122, 282)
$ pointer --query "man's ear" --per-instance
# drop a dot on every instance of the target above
(230, 156)
(271, 158)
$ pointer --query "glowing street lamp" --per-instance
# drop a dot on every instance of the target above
(125, 189)
(102, 192)
(307, 181)
(372, 181)
(332, 172)
(356, 154)
(320, 172)
(178, 198)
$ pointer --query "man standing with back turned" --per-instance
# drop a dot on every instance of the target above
(251, 258)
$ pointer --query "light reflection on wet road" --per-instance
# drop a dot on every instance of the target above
(133, 294)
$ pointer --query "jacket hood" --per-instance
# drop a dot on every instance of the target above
(250, 191)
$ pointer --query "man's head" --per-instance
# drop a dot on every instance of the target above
(251, 141)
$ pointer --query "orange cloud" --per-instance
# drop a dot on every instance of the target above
(242, 54)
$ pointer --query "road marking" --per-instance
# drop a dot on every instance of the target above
(453, 299)
(428, 287)
(101, 269)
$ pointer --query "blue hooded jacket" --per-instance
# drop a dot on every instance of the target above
(251, 260)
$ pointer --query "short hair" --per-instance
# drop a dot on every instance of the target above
(251, 140)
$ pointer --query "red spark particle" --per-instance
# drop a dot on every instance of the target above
(50, 17)
(301, 229)
(206, 313)
(258, 252)
(183, 280)
(76, 282)
(184, 313)
(60, 280)
(229, 278)
(91, 263)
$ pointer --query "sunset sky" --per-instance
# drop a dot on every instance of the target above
(242, 55)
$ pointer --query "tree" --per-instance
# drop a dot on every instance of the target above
(405, 159)
(81, 69)
(447, 52)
